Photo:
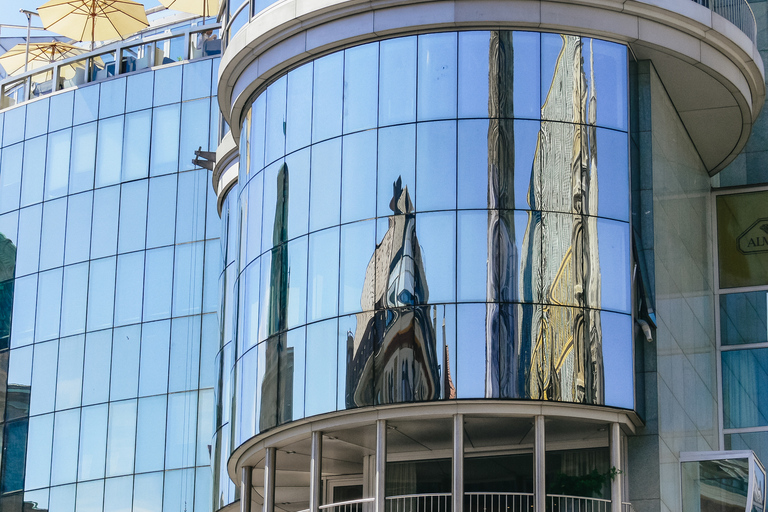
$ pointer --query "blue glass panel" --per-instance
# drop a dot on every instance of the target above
(73, 299)
(158, 281)
(361, 87)
(10, 178)
(197, 80)
(473, 74)
(397, 164)
(256, 139)
(437, 76)
(321, 367)
(13, 473)
(471, 351)
(150, 434)
(106, 205)
(358, 242)
(133, 216)
(527, 135)
(436, 166)
(269, 235)
(436, 234)
(139, 95)
(295, 313)
(155, 340)
(358, 187)
(204, 427)
(118, 494)
(136, 145)
(323, 278)
(109, 151)
(148, 492)
(185, 354)
(39, 446)
(93, 442)
(613, 240)
(164, 158)
(209, 346)
(211, 276)
(86, 104)
(194, 131)
(90, 496)
(526, 86)
(62, 498)
(52, 238)
(212, 220)
(472, 164)
(191, 206)
(66, 427)
(13, 128)
(83, 158)
(77, 246)
(609, 79)
(612, 175)
(57, 165)
(743, 318)
(180, 431)
(327, 96)
(112, 100)
(28, 246)
(275, 127)
(48, 305)
(161, 216)
(124, 382)
(43, 392)
(33, 173)
(473, 263)
(298, 125)
(129, 289)
(744, 374)
(37, 118)
(167, 85)
(69, 378)
(203, 491)
(179, 490)
(60, 115)
(39, 498)
(297, 166)
(121, 437)
(24, 300)
(291, 366)
(187, 279)
(325, 185)
(618, 359)
(397, 81)
(249, 283)
(551, 47)
(98, 354)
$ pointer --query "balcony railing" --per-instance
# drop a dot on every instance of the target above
(115, 59)
(493, 502)
(737, 12)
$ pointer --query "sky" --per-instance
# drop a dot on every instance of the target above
(9, 13)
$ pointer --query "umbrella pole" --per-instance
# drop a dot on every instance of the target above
(29, 30)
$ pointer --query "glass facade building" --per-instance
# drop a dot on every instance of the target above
(110, 263)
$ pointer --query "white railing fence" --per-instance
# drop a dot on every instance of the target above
(497, 501)
(559, 503)
(361, 505)
(436, 502)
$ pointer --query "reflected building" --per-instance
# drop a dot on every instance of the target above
(560, 259)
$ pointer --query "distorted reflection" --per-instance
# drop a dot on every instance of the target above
(559, 349)
(395, 343)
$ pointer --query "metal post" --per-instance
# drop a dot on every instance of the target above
(381, 466)
(616, 483)
(245, 488)
(315, 472)
(29, 33)
(458, 463)
(539, 455)
(269, 480)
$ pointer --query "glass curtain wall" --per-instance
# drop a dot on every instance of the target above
(442, 216)
(109, 259)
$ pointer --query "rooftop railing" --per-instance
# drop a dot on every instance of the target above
(128, 56)
(737, 12)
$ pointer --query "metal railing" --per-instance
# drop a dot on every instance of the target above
(436, 502)
(560, 503)
(497, 501)
(361, 505)
(737, 12)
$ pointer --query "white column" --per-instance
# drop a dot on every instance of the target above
(269, 480)
(458, 463)
(315, 472)
(616, 482)
(245, 488)
(381, 465)
(539, 469)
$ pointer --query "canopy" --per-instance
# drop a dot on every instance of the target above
(93, 20)
(201, 7)
(40, 54)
